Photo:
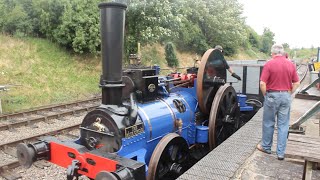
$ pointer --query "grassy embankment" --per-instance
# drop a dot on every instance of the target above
(45, 73)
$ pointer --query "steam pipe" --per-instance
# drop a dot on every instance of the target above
(112, 34)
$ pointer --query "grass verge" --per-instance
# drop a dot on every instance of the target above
(42, 73)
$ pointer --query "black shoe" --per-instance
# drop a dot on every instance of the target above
(280, 158)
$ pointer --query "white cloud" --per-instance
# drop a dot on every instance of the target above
(293, 21)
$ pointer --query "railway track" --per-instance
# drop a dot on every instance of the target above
(30, 117)
(54, 120)
(302, 71)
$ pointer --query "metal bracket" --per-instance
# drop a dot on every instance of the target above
(313, 110)
(304, 91)
(72, 170)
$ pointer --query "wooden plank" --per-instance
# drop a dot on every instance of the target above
(305, 140)
(307, 171)
(295, 136)
(303, 145)
(315, 152)
(299, 155)
(299, 144)
(304, 150)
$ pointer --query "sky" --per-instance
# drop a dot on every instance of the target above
(296, 22)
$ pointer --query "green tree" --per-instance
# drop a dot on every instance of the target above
(149, 21)
(220, 22)
(2, 14)
(17, 21)
(253, 38)
(267, 40)
(224, 25)
(171, 57)
(79, 28)
(286, 46)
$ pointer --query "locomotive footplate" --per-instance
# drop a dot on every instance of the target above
(79, 160)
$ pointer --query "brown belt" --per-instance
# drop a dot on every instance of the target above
(270, 91)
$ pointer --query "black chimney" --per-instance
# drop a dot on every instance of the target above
(112, 33)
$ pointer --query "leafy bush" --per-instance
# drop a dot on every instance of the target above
(171, 57)
(17, 21)
(79, 29)
(267, 40)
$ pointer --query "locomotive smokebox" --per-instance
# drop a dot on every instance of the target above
(112, 34)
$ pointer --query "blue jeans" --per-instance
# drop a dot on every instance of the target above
(276, 104)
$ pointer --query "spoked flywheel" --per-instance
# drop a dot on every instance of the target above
(224, 115)
(211, 75)
(169, 158)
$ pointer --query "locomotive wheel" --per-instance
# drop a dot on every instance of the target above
(169, 158)
(223, 119)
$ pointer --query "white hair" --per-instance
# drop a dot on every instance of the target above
(277, 49)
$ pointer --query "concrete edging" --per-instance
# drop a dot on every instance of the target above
(224, 161)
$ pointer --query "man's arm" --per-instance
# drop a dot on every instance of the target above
(295, 80)
(233, 74)
(263, 88)
(295, 86)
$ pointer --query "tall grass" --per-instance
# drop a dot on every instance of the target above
(44, 73)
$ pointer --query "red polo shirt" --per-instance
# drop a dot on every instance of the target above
(279, 74)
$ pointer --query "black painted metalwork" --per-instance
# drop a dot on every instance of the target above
(112, 35)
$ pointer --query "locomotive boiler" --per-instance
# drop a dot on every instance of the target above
(148, 126)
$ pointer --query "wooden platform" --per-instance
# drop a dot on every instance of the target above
(306, 148)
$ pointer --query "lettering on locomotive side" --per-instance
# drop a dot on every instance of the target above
(134, 130)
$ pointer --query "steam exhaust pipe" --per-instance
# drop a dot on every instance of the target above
(112, 36)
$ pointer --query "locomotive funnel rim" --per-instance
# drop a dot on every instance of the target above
(112, 4)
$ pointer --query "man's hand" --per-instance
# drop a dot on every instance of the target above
(236, 76)
(263, 88)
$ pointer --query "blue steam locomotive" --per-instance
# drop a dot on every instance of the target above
(147, 126)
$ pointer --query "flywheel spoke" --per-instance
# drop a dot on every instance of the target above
(223, 115)
(174, 152)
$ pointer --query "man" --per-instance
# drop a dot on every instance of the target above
(278, 80)
(233, 74)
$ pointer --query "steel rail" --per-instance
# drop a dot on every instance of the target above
(30, 138)
(44, 118)
(305, 72)
(47, 108)
(8, 166)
